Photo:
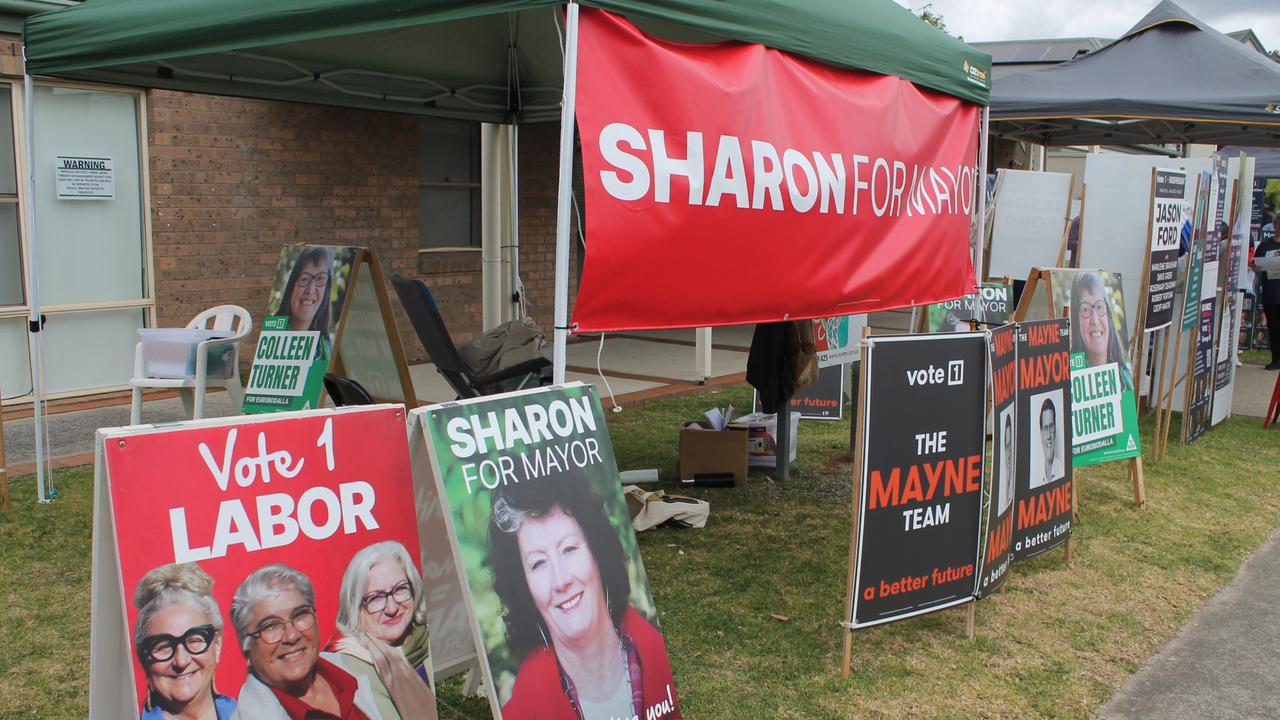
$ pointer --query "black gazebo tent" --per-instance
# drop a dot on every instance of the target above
(1170, 79)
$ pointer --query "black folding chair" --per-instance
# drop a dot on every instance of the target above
(346, 391)
(431, 330)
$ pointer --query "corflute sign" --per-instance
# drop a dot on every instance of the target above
(922, 468)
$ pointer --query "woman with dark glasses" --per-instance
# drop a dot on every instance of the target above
(178, 638)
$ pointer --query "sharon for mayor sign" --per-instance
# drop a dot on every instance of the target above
(683, 159)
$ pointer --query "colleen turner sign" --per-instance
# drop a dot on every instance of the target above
(920, 493)
(1104, 409)
(1042, 519)
(560, 599)
(827, 191)
(268, 566)
(296, 342)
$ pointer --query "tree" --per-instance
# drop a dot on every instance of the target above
(933, 18)
(1274, 55)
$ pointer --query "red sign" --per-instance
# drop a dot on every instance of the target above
(732, 183)
(309, 492)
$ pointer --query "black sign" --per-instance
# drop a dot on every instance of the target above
(923, 444)
(823, 400)
(997, 548)
(1166, 232)
(1042, 520)
(1200, 388)
(1230, 313)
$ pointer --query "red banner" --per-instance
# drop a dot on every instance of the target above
(309, 492)
(732, 183)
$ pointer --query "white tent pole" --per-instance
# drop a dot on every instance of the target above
(565, 193)
(492, 230)
(516, 307)
(33, 286)
(985, 125)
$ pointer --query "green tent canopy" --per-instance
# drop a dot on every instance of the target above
(492, 60)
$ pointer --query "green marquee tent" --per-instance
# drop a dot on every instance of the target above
(491, 60)
(499, 61)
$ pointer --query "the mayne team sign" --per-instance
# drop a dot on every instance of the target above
(1166, 229)
(1042, 519)
(922, 470)
(868, 179)
(997, 550)
(823, 400)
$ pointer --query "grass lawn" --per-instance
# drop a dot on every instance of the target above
(1055, 642)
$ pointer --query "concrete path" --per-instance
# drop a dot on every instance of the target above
(1223, 663)
(1252, 392)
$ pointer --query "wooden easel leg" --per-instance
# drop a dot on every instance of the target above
(1159, 393)
(1139, 483)
(848, 653)
(1066, 551)
(969, 619)
(1075, 500)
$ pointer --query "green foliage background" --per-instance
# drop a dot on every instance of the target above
(470, 513)
(1062, 280)
(1271, 203)
(340, 276)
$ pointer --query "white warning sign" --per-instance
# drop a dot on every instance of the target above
(84, 178)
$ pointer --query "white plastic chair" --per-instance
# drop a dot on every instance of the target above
(230, 318)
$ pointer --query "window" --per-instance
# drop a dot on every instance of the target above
(93, 249)
(448, 184)
(11, 281)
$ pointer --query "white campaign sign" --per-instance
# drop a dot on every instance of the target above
(1030, 217)
(1117, 206)
(839, 339)
(1229, 331)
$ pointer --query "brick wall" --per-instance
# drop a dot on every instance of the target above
(234, 180)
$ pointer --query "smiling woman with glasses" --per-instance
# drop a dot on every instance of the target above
(382, 618)
(274, 614)
(305, 300)
(178, 638)
(1093, 326)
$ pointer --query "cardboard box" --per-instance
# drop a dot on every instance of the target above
(762, 438)
(171, 353)
(713, 452)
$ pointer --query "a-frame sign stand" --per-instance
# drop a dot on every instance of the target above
(367, 346)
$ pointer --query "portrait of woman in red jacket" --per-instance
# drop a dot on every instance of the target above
(561, 573)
